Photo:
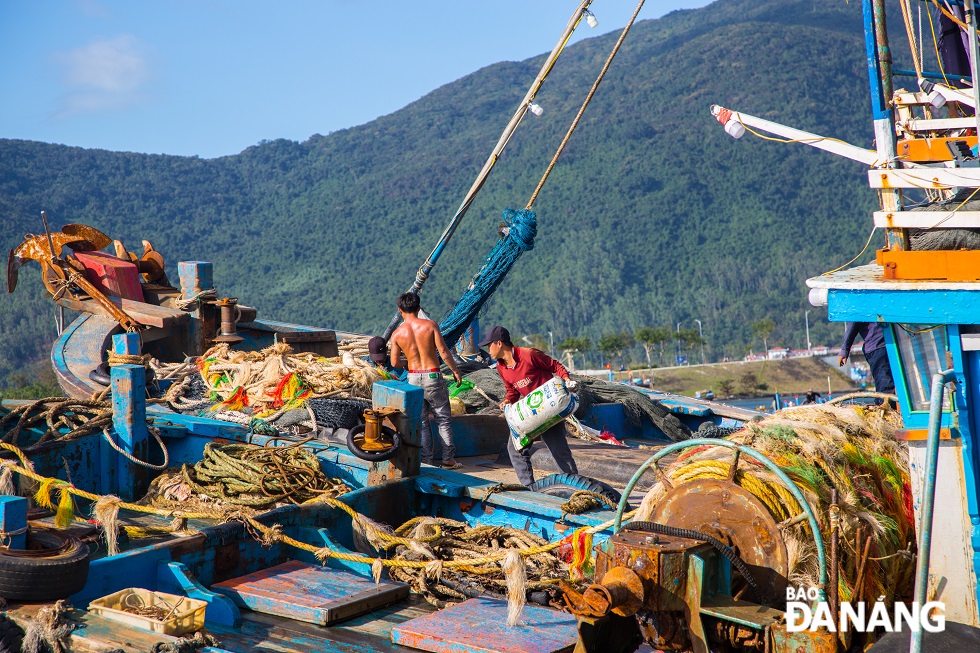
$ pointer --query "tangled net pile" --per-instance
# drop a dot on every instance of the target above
(436, 540)
(275, 384)
(821, 448)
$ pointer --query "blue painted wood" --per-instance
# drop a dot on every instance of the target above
(309, 593)
(918, 306)
(475, 435)
(334, 563)
(78, 350)
(136, 568)
(398, 394)
(480, 625)
(176, 578)
(127, 343)
(195, 277)
(129, 426)
(13, 517)
(408, 399)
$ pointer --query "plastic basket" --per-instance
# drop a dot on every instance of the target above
(184, 615)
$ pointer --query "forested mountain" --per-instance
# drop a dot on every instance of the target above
(653, 216)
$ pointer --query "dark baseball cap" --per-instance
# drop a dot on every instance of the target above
(378, 349)
(494, 334)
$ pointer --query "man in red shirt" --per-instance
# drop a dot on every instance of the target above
(523, 370)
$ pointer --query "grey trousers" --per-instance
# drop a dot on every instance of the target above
(554, 439)
(436, 400)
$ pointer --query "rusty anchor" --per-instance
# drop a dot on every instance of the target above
(58, 273)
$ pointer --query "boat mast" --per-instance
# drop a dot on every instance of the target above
(880, 76)
(426, 268)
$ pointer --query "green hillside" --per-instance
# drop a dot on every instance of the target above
(653, 215)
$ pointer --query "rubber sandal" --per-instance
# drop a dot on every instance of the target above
(451, 464)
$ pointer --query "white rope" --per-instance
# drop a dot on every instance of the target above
(205, 295)
(156, 434)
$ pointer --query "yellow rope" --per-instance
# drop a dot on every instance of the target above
(910, 32)
(273, 534)
(776, 498)
(870, 236)
(950, 16)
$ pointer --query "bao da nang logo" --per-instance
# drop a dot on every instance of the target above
(805, 612)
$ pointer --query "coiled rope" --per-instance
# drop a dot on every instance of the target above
(260, 477)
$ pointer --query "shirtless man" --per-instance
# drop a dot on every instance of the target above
(419, 339)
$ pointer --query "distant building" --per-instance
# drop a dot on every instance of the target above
(822, 350)
(777, 353)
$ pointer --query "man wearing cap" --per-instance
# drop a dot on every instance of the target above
(524, 369)
(420, 340)
(378, 353)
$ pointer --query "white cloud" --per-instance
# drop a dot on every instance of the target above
(107, 74)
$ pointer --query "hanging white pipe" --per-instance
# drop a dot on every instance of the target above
(835, 146)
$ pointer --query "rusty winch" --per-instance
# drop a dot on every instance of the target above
(707, 573)
(373, 440)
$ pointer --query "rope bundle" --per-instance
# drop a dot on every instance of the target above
(822, 448)
(260, 477)
(80, 417)
(275, 379)
(455, 562)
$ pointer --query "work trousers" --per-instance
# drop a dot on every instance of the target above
(880, 371)
(436, 400)
(554, 439)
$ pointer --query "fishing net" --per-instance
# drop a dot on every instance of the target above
(946, 239)
(522, 226)
(822, 448)
(275, 388)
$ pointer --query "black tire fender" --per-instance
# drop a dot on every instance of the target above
(565, 485)
(369, 455)
(36, 578)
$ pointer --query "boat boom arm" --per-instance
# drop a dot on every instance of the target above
(736, 122)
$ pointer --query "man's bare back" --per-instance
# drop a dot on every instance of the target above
(422, 344)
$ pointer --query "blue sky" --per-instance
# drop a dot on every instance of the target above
(211, 77)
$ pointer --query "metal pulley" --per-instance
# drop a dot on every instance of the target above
(372, 440)
(229, 318)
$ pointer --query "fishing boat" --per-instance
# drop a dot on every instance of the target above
(922, 288)
(114, 496)
(259, 537)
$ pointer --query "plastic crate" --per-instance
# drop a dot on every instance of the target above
(185, 615)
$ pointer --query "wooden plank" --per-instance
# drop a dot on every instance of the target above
(925, 178)
(305, 592)
(145, 314)
(481, 625)
(928, 219)
(940, 124)
(263, 633)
